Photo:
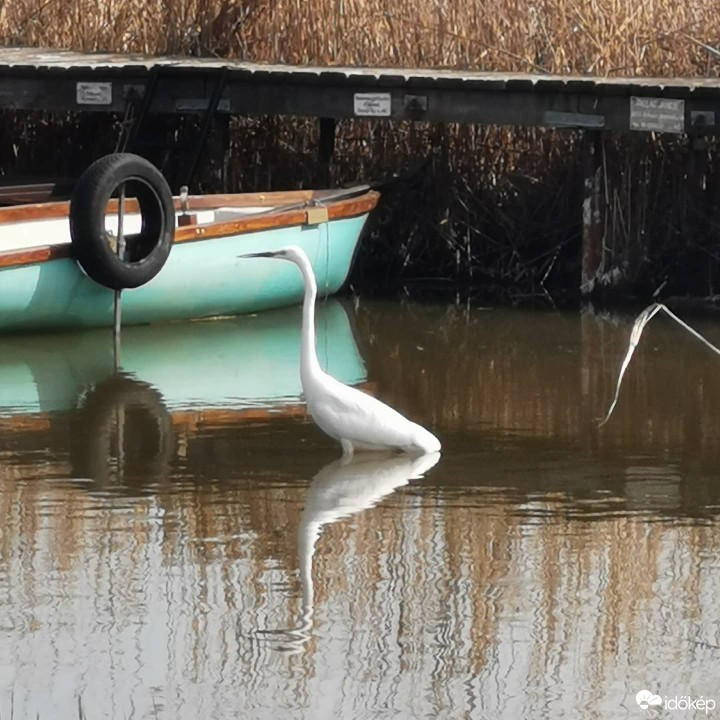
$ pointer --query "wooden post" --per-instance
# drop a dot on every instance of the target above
(218, 153)
(696, 178)
(593, 235)
(326, 149)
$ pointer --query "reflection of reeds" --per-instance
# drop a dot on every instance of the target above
(495, 204)
(547, 374)
(444, 586)
(428, 593)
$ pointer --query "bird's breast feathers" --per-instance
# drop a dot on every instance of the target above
(347, 413)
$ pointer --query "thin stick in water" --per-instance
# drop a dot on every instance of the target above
(639, 325)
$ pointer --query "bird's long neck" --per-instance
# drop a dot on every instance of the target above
(309, 365)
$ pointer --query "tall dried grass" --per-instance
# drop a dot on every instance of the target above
(601, 37)
(509, 205)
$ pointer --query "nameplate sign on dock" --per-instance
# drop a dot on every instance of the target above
(657, 114)
(372, 104)
(94, 93)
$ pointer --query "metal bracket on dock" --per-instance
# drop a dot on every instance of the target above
(702, 120)
(415, 106)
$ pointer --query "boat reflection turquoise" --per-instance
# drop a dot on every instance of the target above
(231, 364)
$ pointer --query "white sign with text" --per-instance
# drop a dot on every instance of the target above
(372, 104)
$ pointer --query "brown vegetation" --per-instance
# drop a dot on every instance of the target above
(600, 37)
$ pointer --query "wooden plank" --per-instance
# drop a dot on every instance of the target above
(34, 59)
(351, 207)
(343, 209)
(60, 208)
(30, 256)
(15, 61)
(47, 80)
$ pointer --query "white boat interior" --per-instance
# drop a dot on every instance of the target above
(55, 231)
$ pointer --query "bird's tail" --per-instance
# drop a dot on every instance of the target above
(425, 441)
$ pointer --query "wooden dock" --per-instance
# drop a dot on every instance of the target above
(51, 80)
(32, 79)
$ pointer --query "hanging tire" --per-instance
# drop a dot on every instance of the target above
(146, 251)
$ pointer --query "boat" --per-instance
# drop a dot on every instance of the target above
(48, 278)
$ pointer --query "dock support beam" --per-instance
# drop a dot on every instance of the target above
(218, 154)
(592, 212)
(326, 148)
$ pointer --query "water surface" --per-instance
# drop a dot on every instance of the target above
(180, 542)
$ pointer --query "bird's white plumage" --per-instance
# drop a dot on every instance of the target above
(357, 420)
(362, 420)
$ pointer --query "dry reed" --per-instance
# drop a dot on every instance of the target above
(600, 37)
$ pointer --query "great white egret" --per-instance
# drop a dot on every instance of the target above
(357, 420)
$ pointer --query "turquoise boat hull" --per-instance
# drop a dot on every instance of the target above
(202, 278)
(230, 364)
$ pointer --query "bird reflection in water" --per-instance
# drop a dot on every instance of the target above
(341, 489)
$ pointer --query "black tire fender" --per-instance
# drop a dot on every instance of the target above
(146, 251)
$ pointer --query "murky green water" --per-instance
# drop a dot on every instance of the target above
(181, 543)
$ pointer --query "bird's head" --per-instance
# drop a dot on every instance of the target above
(291, 252)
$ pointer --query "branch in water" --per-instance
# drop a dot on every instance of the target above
(640, 322)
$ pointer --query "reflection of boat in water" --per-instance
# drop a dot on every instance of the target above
(123, 431)
(246, 364)
(341, 489)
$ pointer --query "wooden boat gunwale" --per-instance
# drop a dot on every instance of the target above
(289, 209)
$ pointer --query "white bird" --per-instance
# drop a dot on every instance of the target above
(357, 420)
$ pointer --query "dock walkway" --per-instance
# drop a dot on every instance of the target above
(33, 79)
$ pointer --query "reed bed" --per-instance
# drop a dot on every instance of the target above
(499, 205)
